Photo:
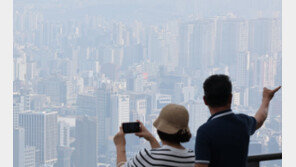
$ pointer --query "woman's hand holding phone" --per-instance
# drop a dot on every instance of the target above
(144, 132)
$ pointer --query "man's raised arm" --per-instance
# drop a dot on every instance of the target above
(262, 113)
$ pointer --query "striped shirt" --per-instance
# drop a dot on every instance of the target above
(165, 156)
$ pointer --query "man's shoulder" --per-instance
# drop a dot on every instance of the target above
(219, 122)
(244, 117)
(204, 128)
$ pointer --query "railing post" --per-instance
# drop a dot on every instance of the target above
(253, 164)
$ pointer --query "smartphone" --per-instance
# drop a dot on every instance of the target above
(131, 127)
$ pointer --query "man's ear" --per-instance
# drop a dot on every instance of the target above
(205, 101)
(230, 99)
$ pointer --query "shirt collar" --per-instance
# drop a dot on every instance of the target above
(220, 114)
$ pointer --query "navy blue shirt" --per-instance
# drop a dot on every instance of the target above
(223, 140)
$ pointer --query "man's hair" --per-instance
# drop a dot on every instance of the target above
(180, 137)
(217, 90)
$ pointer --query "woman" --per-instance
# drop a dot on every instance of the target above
(172, 128)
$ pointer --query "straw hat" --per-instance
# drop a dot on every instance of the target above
(172, 118)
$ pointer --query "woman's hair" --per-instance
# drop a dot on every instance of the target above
(181, 136)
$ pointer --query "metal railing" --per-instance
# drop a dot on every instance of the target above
(254, 160)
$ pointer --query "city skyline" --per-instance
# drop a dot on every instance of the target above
(96, 69)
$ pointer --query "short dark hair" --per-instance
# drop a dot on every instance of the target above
(180, 137)
(217, 90)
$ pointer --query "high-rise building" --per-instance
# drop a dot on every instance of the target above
(86, 105)
(17, 108)
(161, 100)
(242, 69)
(30, 156)
(120, 110)
(85, 153)
(41, 131)
(64, 156)
(204, 35)
(266, 70)
(38, 102)
(232, 38)
(178, 95)
(64, 134)
(103, 111)
(23, 156)
(188, 93)
(265, 36)
(55, 88)
(186, 47)
(198, 113)
(19, 64)
(18, 147)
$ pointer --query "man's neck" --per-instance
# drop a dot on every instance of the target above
(214, 110)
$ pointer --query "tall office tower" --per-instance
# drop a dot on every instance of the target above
(41, 131)
(21, 103)
(39, 102)
(236, 98)
(118, 33)
(19, 66)
(23, 156)
(139, 83)
(178, 95)
(18, 147)
(103, 111)
(265, 71)
(30, 156)
(157, 51)
(141, 109)
(188, 93)
(118, 54)
(265, 36)
(232, 38)
(123, 108)
(171, 59)
(85, 153)
(138, 107)
(55, 88)
(204, 35)
(17, 108)
(64, 134)
(186, 47)
(133, 54)
(198, 113)
(242, 69)
(64, 156)
(86, 105)
(161, 100)
(31, 72)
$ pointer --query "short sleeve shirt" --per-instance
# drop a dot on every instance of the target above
(164, 156)
(223, 140)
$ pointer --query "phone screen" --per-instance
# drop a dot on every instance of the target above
(131, 127)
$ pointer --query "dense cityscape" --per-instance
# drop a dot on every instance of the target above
(82, 67)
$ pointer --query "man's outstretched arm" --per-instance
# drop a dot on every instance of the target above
(262, 112)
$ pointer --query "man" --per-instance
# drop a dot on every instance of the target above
(172, 129)
(223, 140)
